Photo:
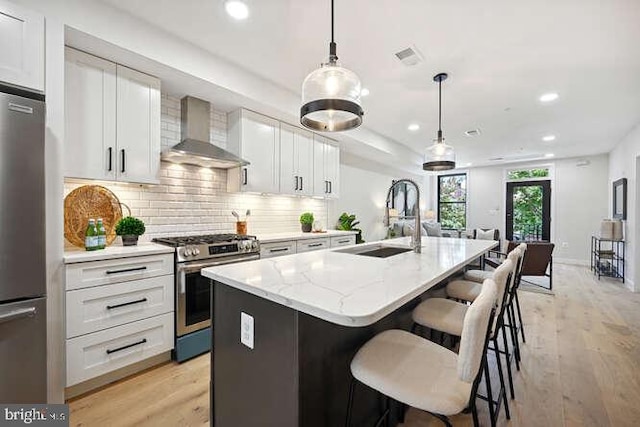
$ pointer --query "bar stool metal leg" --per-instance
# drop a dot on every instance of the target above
(508, 358)
(519, 316)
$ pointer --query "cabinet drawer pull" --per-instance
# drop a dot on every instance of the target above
(20, 108)
(301, 184)
(343, 241)
(245, 176)
(110, 159)
(124, 347)
(126, 270)
(123, 161)
(330, 187)
(314, 245)
(138, 301)
(326, 187)
(278, 250)
(296, 183)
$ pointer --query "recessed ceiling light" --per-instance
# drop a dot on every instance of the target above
(549, 155)
(413, 127)
(549, 138)
(237, 9)
(364, 91)
(548, 97)
(469, 164)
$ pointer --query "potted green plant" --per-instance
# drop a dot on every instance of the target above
(348, 222)
(306, 221)
(130, 228)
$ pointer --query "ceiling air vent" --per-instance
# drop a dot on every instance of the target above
(409, 56)
(472, 132)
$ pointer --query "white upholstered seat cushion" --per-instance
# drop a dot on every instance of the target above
(478, 275)
(465, 290)
(441, 314)
(412, 370)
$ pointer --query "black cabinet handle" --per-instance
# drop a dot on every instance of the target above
(245, 177)
(123, 168)
(279, 250)
(343, 241)
(301, 185)
(126, 270)
(296, 182)
(124, 347)
(326, 187)
(314, 245)
(138, 301)
(110, 159)
(330, 187)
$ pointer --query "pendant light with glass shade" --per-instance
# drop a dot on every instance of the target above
(331, 95)
(440, 156)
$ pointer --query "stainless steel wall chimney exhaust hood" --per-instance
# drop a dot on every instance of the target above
(195, 148)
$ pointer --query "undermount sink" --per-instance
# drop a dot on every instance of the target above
(378, 251)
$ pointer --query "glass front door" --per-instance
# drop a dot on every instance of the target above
(528, 216)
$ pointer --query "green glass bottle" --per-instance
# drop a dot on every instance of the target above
(102, 234)
(91, 236)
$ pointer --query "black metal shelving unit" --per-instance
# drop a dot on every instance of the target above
(607, 257)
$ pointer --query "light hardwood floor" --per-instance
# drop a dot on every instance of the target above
(580, 367)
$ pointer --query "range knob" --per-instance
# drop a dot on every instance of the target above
(186, 252)
(195, 251)
(254, 244)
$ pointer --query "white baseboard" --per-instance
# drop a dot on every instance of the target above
(570, 261)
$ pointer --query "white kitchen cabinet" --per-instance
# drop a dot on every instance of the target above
(326, 168)
(21, 46)
(255, 138)
(296, 160)
(343, 240)
(308, 245)
(112, 116)
(118, 312)
(138, 129)
(90, 116)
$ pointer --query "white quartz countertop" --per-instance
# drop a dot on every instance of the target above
(347, 289)
(299, 235)
(110, 252)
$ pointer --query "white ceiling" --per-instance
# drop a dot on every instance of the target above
(501, 55)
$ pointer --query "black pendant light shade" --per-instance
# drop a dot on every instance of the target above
(331, 95)
(440, 156)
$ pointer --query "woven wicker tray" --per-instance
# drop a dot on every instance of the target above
(90, 201)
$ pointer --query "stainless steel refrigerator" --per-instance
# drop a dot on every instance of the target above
(23, 328)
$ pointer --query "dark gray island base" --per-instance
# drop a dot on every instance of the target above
(298, 372)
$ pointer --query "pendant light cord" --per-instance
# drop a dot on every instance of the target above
(439, 110)
(332, 46)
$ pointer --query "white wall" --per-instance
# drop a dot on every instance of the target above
(578, 202)
(363, 193)
(623, 163)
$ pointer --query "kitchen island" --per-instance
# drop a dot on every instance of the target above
(285, 329)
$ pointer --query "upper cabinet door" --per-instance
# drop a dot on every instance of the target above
(138, 129)
(320, 183)
(296, 160)
(21, 47)
(304, 155)
(90, 116)
(332, 169)
(255, 138)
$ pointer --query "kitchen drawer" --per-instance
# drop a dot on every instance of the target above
(96, 354)
(343, 240)
(95, 273)
(269, 250)
(309, 245)
(102, 307)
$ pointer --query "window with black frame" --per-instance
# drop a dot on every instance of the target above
(452, 201)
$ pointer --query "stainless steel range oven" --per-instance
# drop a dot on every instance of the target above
(193, 291)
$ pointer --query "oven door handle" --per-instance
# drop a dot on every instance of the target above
(190, 268)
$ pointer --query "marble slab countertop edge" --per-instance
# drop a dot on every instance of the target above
(73, 256)
(299, 235)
